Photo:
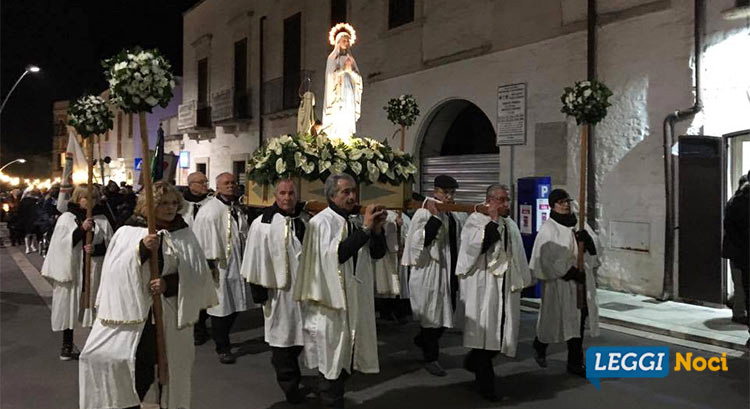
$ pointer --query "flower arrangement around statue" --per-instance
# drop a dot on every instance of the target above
(586, 101)
(90, 115)
(402, 111)
(315, 157)
(139, 80)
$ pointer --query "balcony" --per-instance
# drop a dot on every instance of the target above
(230, 107)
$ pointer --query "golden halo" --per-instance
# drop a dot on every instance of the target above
(339, 28)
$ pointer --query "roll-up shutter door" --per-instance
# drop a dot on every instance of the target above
(472, 172)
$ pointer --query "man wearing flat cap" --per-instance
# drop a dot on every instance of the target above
(431, 249)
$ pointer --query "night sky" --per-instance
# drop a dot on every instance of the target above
(68, 39)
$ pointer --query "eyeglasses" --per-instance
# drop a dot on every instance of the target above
(204, 183)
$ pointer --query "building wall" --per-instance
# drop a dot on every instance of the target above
(465, 51)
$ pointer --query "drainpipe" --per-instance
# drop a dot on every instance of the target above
(591, 191)
(669, 123)
(260, 81)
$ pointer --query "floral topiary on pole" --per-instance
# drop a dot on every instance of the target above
(402, 111)
(587, 102)
(89, 115)
(138, 81)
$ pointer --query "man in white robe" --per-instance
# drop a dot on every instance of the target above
(335, 285)
(274, 245)
(118, 361)
(391, 278)
(553, 260)
(195, 197)
(64, 266)
(343, 89)
(431, 250)
(493, 270)
(221, 228)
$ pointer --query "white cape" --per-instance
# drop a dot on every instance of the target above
(339, 310)
(188, 209)
(222, 238)
(491, 285)
(429, 284)
(271, 259)
(63, 266)
(387, 269)
(555, 251)
(107, 362)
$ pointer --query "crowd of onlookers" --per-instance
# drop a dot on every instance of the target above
(30, 213)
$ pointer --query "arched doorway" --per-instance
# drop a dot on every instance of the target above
(458, 139)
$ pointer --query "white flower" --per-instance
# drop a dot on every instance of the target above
(340, 153)
(274, 146)
(356, 167)
(383, 166)
(308, 167)
(285, 139)
(323, 165)
(299, 159)
(355, 154)
(586, 93)
(280, 166)
(373, 171)
(338, 167)
(151, 101)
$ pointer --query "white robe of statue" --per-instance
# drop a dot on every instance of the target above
(222, 239)
(338, 306)
(491, 284)
(107, 362)
(63, 266)
(271, 260)
(555, 251)
(343, 95)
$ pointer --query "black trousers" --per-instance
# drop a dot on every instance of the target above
(145, 361)
(200, 326)
(746, 286)
(286, 363)
(220, 327)
(575, 345)
(479, 361)
(332, 391)
(429, 340)
(67, 337)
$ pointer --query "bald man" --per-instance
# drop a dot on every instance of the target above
(195, 197)
(221, 228)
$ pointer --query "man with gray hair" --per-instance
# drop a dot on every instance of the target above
(221, 228)
(335, 283)
(492, 270)
(195, 197)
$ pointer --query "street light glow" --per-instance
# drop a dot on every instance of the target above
(21, 160)
(33, 68)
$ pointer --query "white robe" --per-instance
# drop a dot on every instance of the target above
(555, 251)
(271, 259)
(343, 97)
(338, 309)
(222, 238)
(491, 285)
(63, 266)
(429, 283)
(188, 209)
(107, 362)
(387, 274)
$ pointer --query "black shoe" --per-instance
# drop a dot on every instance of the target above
(418, 341)
(200, 338)
(295, 397)
(540, 358)
(227, 358)
(740, 320)
(435, 369)
(69, 352)
(579, 370)
(468, 364)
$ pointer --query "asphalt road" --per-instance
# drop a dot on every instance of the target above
(32, 376)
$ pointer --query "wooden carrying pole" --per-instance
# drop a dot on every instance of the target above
(86, 293)
(581, 288)
(161, 351)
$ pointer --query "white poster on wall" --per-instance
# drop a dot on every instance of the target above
(525, 222)
(542, 212)
(511, 114)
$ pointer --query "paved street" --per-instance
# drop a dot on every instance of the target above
(32, 376)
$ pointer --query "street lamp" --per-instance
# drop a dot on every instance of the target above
(30, 68)
(20, 160)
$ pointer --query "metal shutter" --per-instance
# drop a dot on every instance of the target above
(473, 173)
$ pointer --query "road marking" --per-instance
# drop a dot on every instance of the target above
(34, 277)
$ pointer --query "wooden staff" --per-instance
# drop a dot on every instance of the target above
(86, 293)
(581, 287)
(161, 351)
(403, 136)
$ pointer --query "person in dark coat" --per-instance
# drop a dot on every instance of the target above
(27, 212)
(737, 236)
